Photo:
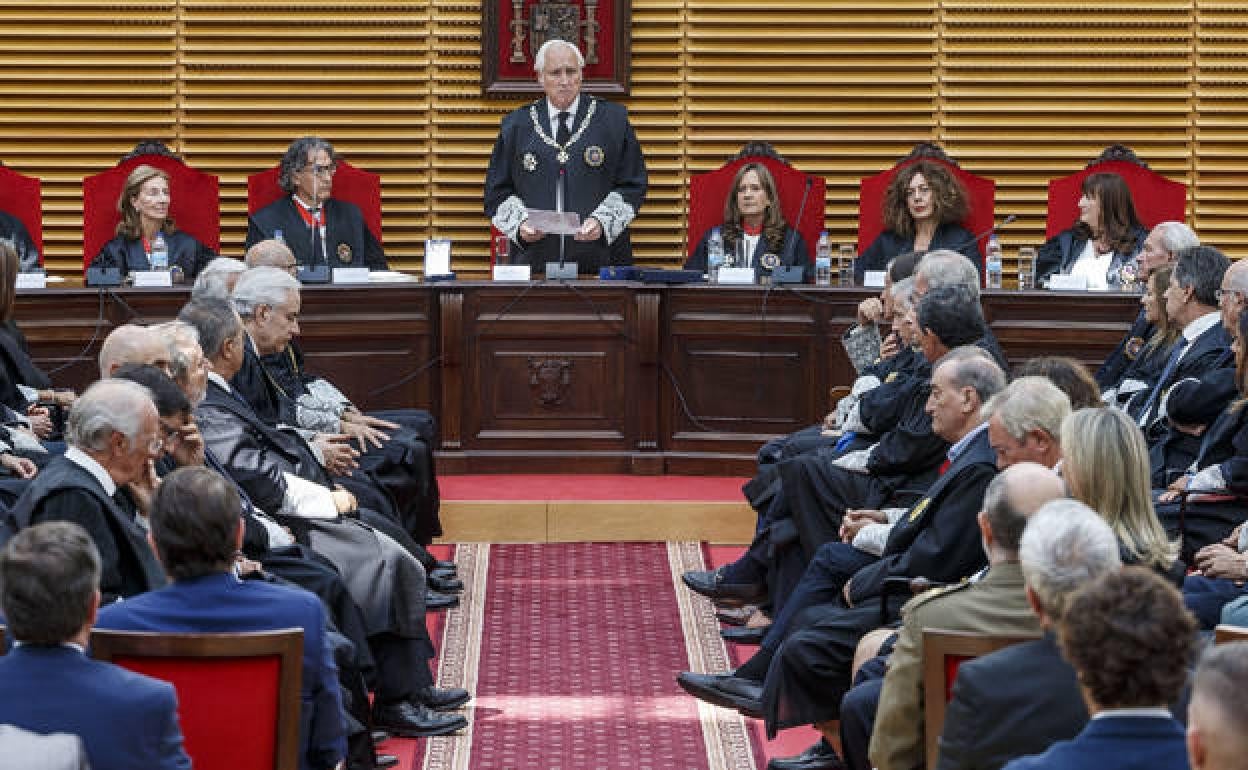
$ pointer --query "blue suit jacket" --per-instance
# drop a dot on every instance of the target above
(1115, 743)
(221, 603)
(125, 720)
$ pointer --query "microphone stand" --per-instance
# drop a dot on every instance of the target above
(783, 272)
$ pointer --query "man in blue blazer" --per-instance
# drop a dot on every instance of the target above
(196, 530)
(1130, 641)
(49, 589)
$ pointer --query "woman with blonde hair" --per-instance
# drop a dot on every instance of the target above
(1148, 357)
(144, 207)
(1105, 465)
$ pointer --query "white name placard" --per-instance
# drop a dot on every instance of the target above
(437, 256)
(1058, 282)
(736, 275)
(32, 280)
(350, 275)
(873, 279)
(511, 273)
(152, 279)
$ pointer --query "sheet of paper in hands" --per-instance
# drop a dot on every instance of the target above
(554, 222)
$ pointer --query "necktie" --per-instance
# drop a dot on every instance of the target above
(1166, 373)
(564, 133)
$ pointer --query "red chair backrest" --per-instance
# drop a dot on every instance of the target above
(351, 184)
(981, 193)
(195, 203)
(1157, 199)
(709, 191)
(22, 196)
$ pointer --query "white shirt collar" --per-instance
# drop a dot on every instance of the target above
(957, 449)
(88, 463)
(1135, 713)
(217, 378)
(552, 112)
(1200, 325)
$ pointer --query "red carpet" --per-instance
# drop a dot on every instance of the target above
(601, 487)
(579, 645)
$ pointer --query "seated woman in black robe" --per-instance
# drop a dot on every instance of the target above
(144, 208)
(754, 226)
(1103, 245)
(922, 208)
(1147, 357)
(13, 231)
(1105, 466)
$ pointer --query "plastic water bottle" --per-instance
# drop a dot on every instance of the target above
(992, 267)
(160, 252)
(277, 236)
(714, 256)
(823, 261)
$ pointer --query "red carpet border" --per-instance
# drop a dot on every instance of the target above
(572, 650)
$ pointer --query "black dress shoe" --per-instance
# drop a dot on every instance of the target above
(442, 699)
(444, 564)
(437, 601)
(380, 736)
(821, 756)
(385, 760)
(744, 634)
(734, 692)
(446, 585)
(711, 585)
(412, 720)
(441, 572)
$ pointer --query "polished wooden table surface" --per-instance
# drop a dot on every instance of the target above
(586, 376)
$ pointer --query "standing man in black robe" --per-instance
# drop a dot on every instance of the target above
(320, 230)
(575, 142)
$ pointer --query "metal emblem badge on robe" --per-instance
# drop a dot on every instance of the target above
(769, 261)
(529, 161)
(344, 253)
(594, 156)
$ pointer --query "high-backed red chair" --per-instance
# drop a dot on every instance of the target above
(22, 196)
(709, 191)
(238, 694)
(1157, 199)
(351, 184)
(195, 203)
(981, 193)
(943, 652)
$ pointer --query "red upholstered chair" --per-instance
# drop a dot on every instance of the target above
(1157, 199)
(981, 192)
(195, 205)
(351, 184)
(707, 193)
(943, 652)
(22, 196)
(238, 694)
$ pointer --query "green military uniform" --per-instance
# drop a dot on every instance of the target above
(994, 604)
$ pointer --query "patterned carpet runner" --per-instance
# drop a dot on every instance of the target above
(572, 651)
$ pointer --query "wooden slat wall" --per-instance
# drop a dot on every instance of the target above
(1020, 93)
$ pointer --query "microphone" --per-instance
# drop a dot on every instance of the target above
(801, 209)
(559, 183)
(985, 233)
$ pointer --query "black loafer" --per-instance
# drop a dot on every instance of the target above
(744, 634)
(443, 699)
(445, 574)
(821, 756)
(385, 760)
(444, 564)
(445, 585)
(437, 601)
(711, 585)
(734, 692)
(412, 720)
(380, 736)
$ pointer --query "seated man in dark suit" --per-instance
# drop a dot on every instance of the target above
(1130, 642)
(320, 230)
(103, 483)
(196, 529)
(1021, 699)
(49, 590)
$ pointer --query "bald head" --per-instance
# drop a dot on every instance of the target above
(132, 344)
(270, 253)
(1011, 498)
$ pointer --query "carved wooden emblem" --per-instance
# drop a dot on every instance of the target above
(549, 379)
(513, 31)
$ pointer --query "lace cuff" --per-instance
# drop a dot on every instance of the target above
(511, 213)
(614, 214)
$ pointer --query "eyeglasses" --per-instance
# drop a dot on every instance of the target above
(912, 192)
(1220, 294)
(329, 170)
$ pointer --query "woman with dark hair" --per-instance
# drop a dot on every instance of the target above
(754, 226)
(1102, 246)
(144, 209)
(1070, 377)
(318, 228)
(922, 208)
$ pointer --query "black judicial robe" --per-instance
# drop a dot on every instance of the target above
(128, 254)
(792, 251)
(889, 244)
(16, 368)
(12, 229)
(348, 241)
(604, 159)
